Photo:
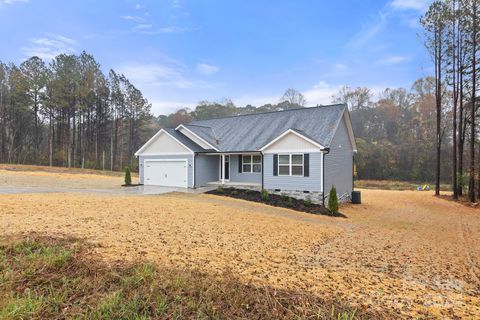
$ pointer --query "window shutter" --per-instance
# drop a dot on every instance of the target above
(275, 164)
(306, 165)
(240, 163)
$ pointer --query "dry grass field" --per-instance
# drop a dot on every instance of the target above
(402, 253)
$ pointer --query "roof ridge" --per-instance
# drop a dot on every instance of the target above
(267, 112)
(197, 125)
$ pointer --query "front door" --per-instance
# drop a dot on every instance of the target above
(227, 167)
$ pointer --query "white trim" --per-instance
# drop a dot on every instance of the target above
(167, 160)
(181, 126)
(290, 165)
(149, 142)
(348, 122)
(193, 171)
(294, 132)
(290, 151)
(166, 154)
(252, 163)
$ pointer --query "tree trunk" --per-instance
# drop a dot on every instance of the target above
(471, 185)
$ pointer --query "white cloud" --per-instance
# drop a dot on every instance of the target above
(321, 93)
(167, 107)
(12, 1)
(139, 6)
(207, 69)
(340, 67)
(176, 3)
(49, 47)
(158, 75)
(391, 60)
(418, 5)
(369, 30)
(133, 18)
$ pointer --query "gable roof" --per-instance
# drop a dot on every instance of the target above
(253, 131)
(179, 137)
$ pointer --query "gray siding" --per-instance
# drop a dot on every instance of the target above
(189, 158)
(207, 168)
(339, 162)
(236, 176)
(311, 183)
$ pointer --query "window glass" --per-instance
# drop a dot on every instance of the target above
(284, 170)
(297, 159)
(246, 159)
(284, 159)
(297, 170)
(257, 168)
(257, 159)
(247, 168)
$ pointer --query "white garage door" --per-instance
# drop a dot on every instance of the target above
(172, 173)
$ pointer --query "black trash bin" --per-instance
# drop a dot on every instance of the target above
(356, 197)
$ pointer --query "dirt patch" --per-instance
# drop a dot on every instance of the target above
(45, 179)
(274, 200)
(408, 252)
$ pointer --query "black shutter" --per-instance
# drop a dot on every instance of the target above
(275, 164)
(306, 165)
(240, 163)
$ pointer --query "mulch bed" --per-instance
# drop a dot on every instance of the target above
(274, 200)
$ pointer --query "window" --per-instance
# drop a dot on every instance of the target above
(251, 164)
(290, 165)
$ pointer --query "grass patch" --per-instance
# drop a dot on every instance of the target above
(397, 185)
(64, 281)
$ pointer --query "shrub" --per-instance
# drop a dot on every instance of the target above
(333, 200)
(290, 202)
(234, 193)
(265, 196)
(128, 176)
(220, 189)
(284, 196)
(308, 201)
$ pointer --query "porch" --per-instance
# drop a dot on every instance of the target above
(236, 184)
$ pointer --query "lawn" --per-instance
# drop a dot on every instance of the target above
(399, 254)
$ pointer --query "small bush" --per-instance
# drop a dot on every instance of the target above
(308, 201)
(234, 192)
(220, 189)
(290, 202)
(284, 197)
(128, 177)
(265, 196)
(333, 200)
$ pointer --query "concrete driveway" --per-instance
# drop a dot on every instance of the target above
(135, 190)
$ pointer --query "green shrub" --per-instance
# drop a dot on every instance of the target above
(284, 196)
(290, 202)
(333, 200)
(308, 201)
(265, 196)
(234, 193)
(128, 176)
(220, 189)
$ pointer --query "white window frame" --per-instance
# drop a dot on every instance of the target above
(251, 163)
(290, 165)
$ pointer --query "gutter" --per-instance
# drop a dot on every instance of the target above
(324, 153)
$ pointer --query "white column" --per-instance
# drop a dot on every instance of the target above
(223, 169)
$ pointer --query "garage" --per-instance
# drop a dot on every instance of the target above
(171, 173)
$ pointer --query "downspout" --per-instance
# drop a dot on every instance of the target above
(194, 171)
(324, 153)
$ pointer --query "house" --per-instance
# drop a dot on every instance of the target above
(300, 152)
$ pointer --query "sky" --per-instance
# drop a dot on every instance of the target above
(180, 52)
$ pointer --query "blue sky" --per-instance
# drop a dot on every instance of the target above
(179, 52)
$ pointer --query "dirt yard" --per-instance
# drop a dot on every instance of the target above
(405, 252)
(55, 177)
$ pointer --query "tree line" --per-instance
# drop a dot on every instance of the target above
(451, 29)
(68, 113)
